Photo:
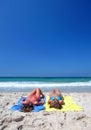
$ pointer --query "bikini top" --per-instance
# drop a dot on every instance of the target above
(57, 97)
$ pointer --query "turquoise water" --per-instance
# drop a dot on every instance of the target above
(66, 84)
(46, 79)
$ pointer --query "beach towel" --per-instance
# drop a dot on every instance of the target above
(18, 106)
(69, 105)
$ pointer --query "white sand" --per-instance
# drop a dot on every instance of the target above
(14, 120)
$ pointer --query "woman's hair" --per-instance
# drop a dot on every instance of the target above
(55, 104)
(27, 108)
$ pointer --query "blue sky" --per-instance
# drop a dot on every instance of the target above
(45, 38)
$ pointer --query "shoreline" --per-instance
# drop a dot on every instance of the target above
(43, 120)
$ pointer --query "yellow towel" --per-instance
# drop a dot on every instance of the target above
(70, 105)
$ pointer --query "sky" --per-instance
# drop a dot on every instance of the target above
(45, 38)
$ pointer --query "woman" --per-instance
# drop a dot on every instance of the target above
(56, 98)
(34, 98)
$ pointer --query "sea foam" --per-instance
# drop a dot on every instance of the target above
(42, 84)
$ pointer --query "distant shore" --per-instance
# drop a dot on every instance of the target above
(14, 120)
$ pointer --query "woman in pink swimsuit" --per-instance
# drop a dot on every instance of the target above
(34, 98)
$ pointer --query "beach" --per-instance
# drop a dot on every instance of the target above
(45, 44)
(44, 120)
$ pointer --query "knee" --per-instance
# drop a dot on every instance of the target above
(37, 88)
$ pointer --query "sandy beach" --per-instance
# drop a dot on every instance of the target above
(55, 120)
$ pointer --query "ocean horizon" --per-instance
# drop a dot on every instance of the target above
(66, 84)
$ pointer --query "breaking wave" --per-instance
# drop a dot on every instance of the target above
(42, 84)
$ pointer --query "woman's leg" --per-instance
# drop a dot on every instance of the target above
(36, 91)
(32, 92)
(58, 91)
(52, 92)
(39, 93)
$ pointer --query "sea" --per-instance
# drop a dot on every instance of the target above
(26, 84)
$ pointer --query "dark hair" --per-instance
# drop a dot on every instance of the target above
(55, 104)
(27, 108)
